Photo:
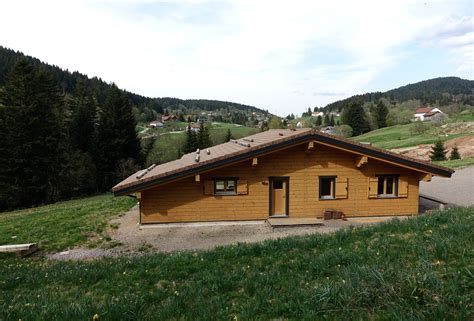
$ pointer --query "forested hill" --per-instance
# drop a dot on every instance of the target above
(442, 91)
(147, 107)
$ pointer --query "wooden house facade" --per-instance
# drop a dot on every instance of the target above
(280, 173)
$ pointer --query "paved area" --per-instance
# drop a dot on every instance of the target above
(457, 190)
(203, 236)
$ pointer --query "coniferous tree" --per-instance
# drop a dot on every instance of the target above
(331, 120)
(31, 137)
(319, 121)
(327, 120)
(228, 135)
(354, 116)
(455, 153)
(381, 113)
(203, 139)
(191, 140)
(84, 110)
(117, 147)
(438, 153)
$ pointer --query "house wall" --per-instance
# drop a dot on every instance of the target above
(184, 200)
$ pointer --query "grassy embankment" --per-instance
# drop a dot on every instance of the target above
(58, 226)
(400, 136)
(420, 268)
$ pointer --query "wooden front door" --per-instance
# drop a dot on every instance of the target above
(279, 196)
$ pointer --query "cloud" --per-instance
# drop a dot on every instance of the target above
(272, 54)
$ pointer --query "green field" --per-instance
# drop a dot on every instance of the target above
(417, 269)
(168, 146)
(457, 163)
(58, 226)
(400, 136)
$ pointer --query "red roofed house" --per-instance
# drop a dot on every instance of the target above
(280, 173)
(427, 113)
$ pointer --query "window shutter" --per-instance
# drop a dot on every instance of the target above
(242, 187)
(373, 182)
(208, 187)
(403, 186)
(341, 187)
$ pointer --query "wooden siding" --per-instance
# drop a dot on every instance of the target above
(186, 201)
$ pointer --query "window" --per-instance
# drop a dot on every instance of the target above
(387, 186)
(327, 187)
(225, 186)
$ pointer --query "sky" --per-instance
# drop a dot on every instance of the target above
(284, 56)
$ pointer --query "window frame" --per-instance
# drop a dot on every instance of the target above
(395, 185)
(226, 180)
(333, 191)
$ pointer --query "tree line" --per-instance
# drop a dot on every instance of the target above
(55, 145)
(145, 109)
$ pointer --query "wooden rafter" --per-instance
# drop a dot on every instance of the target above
(426, 177)
(361, 161)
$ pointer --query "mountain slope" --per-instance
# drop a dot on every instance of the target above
(441, 90)
(68, 82)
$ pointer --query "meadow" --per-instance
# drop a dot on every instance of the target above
(56, 227)
(399, 136)
(417, 269)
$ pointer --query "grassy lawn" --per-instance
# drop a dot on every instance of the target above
(400, 136)
(58, 226)
(417, 269)
(457, 163)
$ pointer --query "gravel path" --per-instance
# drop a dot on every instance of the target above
(457, 190)
(136, 241)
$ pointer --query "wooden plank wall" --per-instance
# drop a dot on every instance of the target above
(184, 200)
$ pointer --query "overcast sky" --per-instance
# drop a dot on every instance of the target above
(284, 56)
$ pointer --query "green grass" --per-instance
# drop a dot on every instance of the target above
(62, 225)
(417, 269)
(457, 163)
(400, 136)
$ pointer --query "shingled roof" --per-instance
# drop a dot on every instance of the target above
(252, 146)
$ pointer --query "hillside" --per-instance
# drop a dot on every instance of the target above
(148, 107)
(411, 269)
(441, 91)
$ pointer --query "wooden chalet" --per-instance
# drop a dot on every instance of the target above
(280, 173)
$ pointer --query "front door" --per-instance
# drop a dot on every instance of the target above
(279, 196)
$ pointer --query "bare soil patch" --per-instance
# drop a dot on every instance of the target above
(465, 146)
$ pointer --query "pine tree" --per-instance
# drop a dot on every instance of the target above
(117, 147)
(31, 137)
(203, 139)
(84, 110)
(455, 153)
(331, 121)
(354, 116)
(327, 120)
(319, 121)
(381, 113)
(191, 140)
(438, 153)
(228, 135)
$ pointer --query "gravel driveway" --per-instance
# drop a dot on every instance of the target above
(175, 237)
(457, 190)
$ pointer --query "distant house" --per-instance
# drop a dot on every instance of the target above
(168, 118)
(317, 113)
(428, 113)
(195, 127)
(299, 124)
(328, 130)
(155, 124)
